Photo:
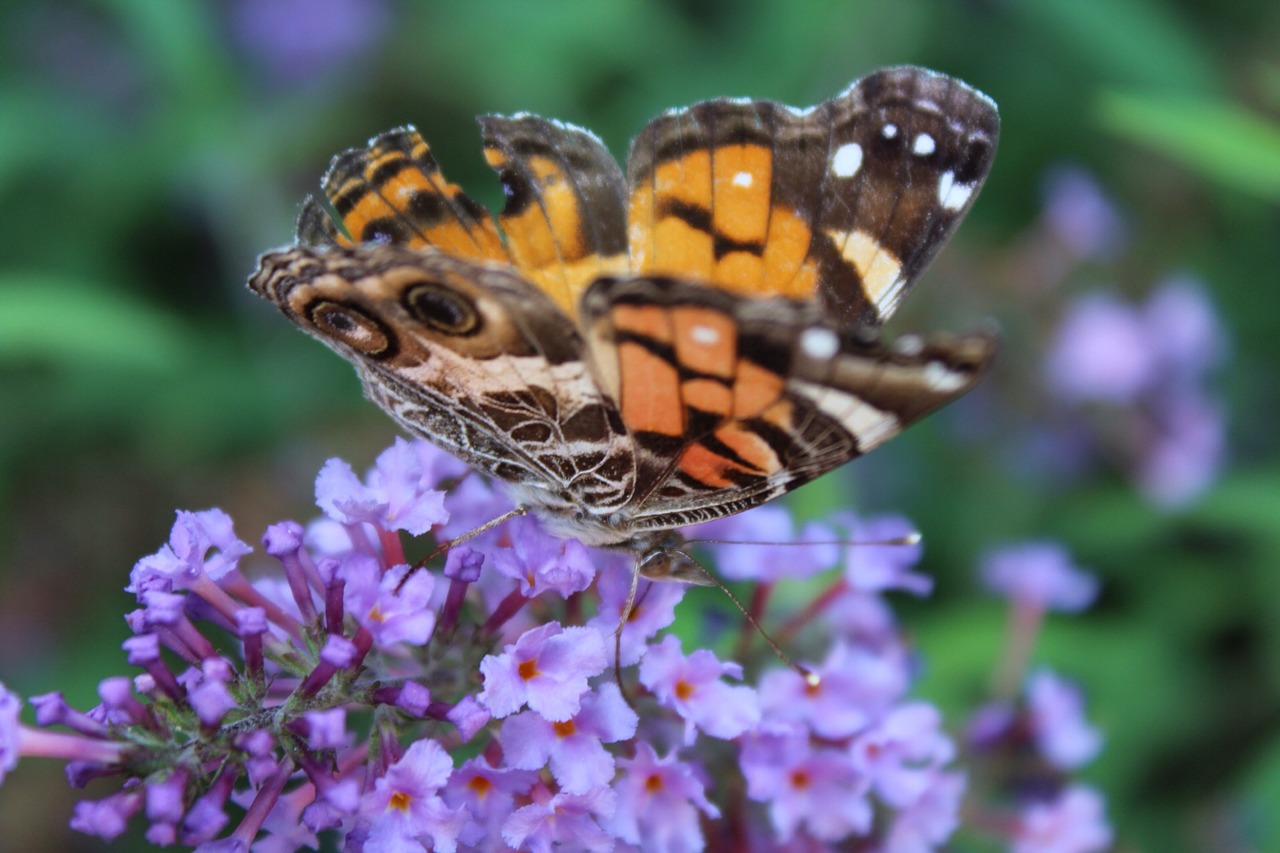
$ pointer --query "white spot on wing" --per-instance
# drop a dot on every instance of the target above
(847, 160)
(923, 145)
(800, 112)
(943, 379)
(880, 269)
(909, 345)
(819, 343)
(889, 131)
(869, 425)
(742, 179)
(951, 195)
(706, 335)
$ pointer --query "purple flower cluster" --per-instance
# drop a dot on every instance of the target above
(1133, 377)
(1146, 366)
(472, 705)
(305, 42)
(1040, 736)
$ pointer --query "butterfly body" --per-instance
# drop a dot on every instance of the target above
(634, 355)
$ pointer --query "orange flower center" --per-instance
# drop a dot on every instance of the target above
(683, 689)
(480, 786)
(528, 669)
(564, 729)
(400, 801)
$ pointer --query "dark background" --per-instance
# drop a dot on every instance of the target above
(150, 149)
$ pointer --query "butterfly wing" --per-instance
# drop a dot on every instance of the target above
(563, 224)
(565, 214)
(394, 192)
(469, 355)
(844, 203)
(734, 400)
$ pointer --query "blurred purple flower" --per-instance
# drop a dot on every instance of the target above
(1102, 352)
(874, 567)
(1073, 822)
(653, 610)
(540, 562)
(10, 731)
(106, 818)
(297, 40)
(857, 686)
(772, 549)
(393, 609)
(1056, 711)
(1152, 360)
(1039, 575)
(1185, 330)
(1186, 450)
(326, 729)
(1080, 215)
(927, 824)
(900, 754)
(818, 789)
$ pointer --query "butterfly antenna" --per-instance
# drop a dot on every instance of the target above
(627, 608)
(444, 546)
(811, 678)
(912, 538)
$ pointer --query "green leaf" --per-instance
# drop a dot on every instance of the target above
(1221, 141)
(73, 323)
(1131, 41)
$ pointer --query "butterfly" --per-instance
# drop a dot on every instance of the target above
(631, 354)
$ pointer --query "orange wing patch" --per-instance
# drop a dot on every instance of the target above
(741, 185)
(709, 215)
(677, 243)
(751, 458)
(648, 380)
(394, 192)
(650, 391)
(565, 216)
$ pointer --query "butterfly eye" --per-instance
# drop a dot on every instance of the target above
(351, 326)
(442, 309)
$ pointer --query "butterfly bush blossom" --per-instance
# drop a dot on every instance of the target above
(324, 686)
(1130, 383)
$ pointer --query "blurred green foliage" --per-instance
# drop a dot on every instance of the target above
(149, 149)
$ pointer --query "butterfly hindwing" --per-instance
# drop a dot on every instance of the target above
(471, 355)
(733, 400)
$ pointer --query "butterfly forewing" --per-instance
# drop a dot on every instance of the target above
(394, 192)
(565, 215)
(846, 202)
